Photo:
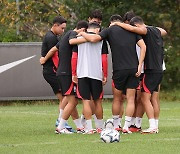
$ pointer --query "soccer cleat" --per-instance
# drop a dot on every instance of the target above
(99, 130)
(126, 131)
(118, 128)
(150, 131)
(89, 132)
(133, 128)
(57, 123)
(66, 126)
(69, 128)
(63, 131)
(80, 131)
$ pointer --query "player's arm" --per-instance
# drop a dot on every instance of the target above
(134, 29)
(142, 46)
(91, 38)
(163, 32)
(74, 41)
(48, 55)
(104, 68)
(74, 66)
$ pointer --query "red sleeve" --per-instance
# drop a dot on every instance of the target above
(74, 63)
(55, 59)
(105, 65)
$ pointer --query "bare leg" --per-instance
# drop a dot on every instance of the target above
(146, 99)
(155, 103)
(117, 99)
(130, 102)
(99, 109)
(139, 106)
(87, 109)
(60, 98)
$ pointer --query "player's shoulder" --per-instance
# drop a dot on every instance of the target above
(153, 30)
(72, 32)
(50, 35)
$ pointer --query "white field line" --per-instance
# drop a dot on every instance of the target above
(98, 140)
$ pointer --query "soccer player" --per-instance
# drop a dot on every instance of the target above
(91, 60)
(50, 66)
(117, 119)
(139, 110)
(126, 67)
(65, 77)
(95, 16)
(153, 68)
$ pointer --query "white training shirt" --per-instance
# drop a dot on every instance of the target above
(89, 63)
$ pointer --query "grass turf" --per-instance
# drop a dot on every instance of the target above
(30, 129)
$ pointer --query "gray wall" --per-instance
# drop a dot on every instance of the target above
(24, 81)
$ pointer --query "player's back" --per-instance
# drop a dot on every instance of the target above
(123, 47)
(154, 49)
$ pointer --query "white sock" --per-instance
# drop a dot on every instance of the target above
(100, 123)
(133, 120)
(152, 123)
(138, 122)
(60, 114)
(116, 121)
(127, 122)
(89, 125)
(120, 119)
(61, 124)
(157, 123)
(95, 120)
(78, 123)
(83, 120)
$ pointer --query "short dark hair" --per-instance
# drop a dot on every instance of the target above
(96, 14)
(82, 24)
(136, 19)
(128, 16)
(115, 17)
(59, 20)
(94, 25)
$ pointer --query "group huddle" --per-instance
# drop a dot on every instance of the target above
(76, 68)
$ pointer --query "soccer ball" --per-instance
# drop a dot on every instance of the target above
(110, 136)
(109, 124)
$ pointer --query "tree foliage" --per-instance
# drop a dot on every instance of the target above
(33, 19)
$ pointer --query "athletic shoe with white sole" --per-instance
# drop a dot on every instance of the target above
(119, 128)
(133, 129)
(99, 130)
(80, 131)
(126, 131)
(57, 123)
(66, 126)
(89, 132)
(63, 131)
(150, 131)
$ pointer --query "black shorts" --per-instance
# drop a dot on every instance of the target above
(88, 87)
(151, 82)
(123, 91)
(53, 81)
(66, 85)
(124, 79)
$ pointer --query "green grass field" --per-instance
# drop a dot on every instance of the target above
(30, 129)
